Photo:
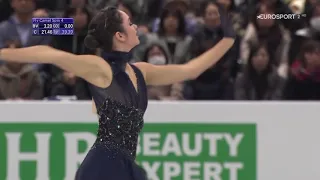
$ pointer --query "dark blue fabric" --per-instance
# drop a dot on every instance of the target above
(121, 87)
(120, 108)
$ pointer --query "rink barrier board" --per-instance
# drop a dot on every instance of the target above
(187, 141)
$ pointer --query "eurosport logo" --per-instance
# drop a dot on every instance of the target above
(280, 16)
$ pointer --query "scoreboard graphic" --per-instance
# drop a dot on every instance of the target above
(52, 26)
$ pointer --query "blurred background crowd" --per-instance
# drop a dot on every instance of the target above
(272, 59)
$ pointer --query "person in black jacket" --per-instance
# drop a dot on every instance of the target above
(57, 81)
(215, 83)
(304, 79)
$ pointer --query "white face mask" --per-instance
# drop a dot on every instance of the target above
(157, 60)
(315, 23)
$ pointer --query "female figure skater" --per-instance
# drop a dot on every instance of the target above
(118, 88)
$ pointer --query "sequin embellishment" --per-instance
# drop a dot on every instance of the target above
(119, 127)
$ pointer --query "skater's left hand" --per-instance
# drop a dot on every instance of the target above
(226, 24)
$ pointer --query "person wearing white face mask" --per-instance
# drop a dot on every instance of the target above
(155, 54)
(157, 60)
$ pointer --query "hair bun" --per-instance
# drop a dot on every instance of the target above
(91, 42)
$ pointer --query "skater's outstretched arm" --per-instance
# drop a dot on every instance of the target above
(169, 74)
(89, 67)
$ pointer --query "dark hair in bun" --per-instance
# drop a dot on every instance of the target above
(102, 28)
(91, 42)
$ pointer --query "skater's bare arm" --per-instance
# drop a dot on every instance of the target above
(169, 74)
(89, 67)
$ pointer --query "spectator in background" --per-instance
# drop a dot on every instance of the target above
(77, 3)
(304, 81)
(248, 9)
(5, 10)
(50, 5)
(19, 81)
(135, 6)
(183, 7)
(315, 22)
(311, 31)
(57, 81)
(297, 6)
(280, 7)
(127, 9)
(273, 34)
(309, 7)
(74, 44)
(215, 83)
(40, 13)
(172, 36)
(153, 10)
(19, 25)
(143, 29)
(88, 4)
(155, 54)
(259, 80)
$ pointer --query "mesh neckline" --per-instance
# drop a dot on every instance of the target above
(118, 58)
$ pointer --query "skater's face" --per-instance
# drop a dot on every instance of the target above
(129, 38)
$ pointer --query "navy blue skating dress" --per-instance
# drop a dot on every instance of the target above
(120, 108)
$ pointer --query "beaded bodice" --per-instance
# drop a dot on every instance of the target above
(120, 107)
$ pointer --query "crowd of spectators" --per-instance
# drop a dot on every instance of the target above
(273, 58)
